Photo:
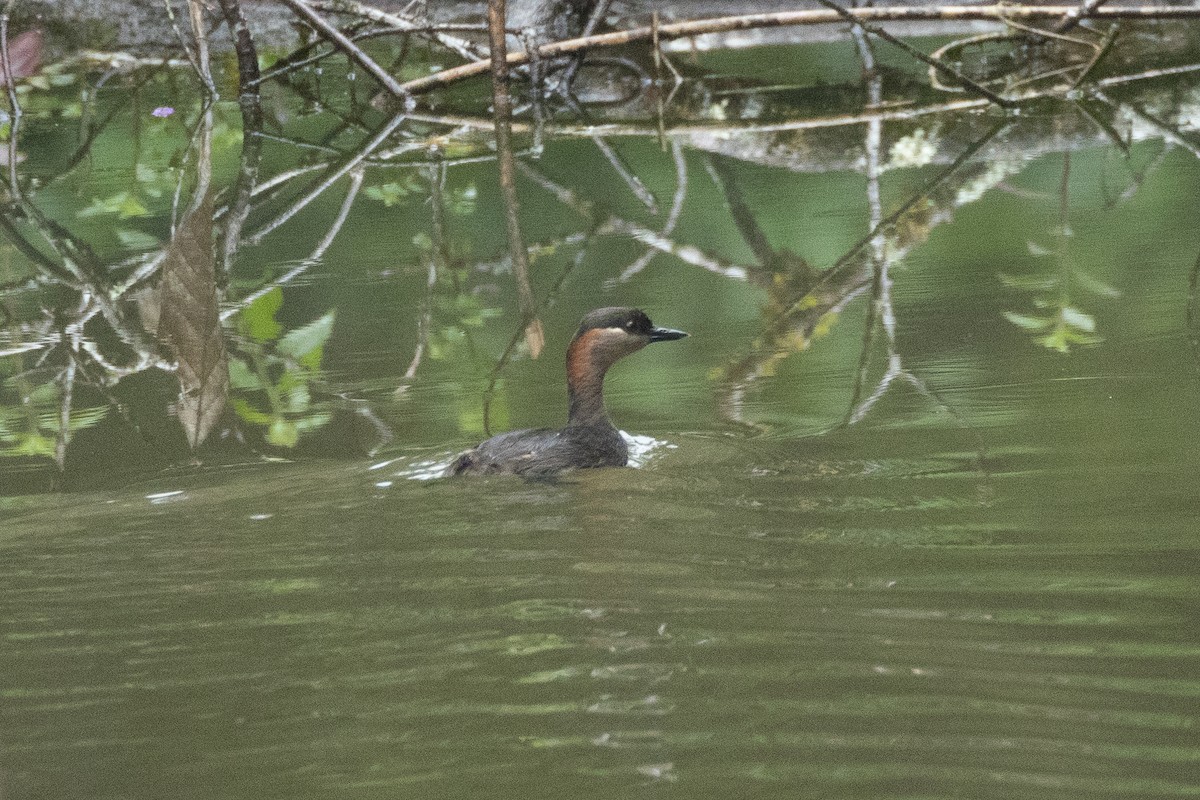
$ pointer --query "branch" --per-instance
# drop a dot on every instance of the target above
(353, 51)
(682, 30)
(462, 47)
(252, 124)
(14, 107)
(502, 105)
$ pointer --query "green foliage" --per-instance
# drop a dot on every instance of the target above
(1060, 325)
(31, 426)
(306, 345)
(272, 376)
(391, 194)
(136, 240)
(124, 204)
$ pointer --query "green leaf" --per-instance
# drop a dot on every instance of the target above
(1078, 320)
(123, 204)
(31, 444)
(305, 344)
(132, 207)
(313, 421)
(137, 240)
(388, 193)
(297, 399)
(251, 414)
(242, 377)
(283, 433)
(1031, 283)
(258, 319)
(1093, 285)
(1063, 336)
(1027, 322)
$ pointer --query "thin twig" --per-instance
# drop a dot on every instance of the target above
(14, 106)
(352, 51)
(631, 180)
(356, 180)
(1193, 314)
(200, 36)
(252, 124)
(1105, 45)
(425, 315)
(875, 30)
(489, 391)
(323, 185)
(1076, 15)
(502, 108)
(593, 21)
(681, 187)
(438, 33)
(64, 415)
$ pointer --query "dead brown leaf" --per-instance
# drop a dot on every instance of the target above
(24, 54)
(535, 337)
(190, 324)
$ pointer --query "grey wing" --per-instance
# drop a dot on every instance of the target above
(511, 452)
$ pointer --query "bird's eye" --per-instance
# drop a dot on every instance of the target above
(630, 325)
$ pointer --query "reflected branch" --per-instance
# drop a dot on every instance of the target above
(343, 43)
(881, 285)
(614, 224)
(14, 105)
(502, 106)
(323, 184)
(67, 391)
(438, 262)
(681, 187)
(795, 323)
(356, 180)
(632, 181)
(1193, 311)
(250, 104)
(743, 218)
(1169, 132)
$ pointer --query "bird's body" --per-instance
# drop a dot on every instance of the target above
(589, 438)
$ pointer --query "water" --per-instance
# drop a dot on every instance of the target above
(984, 587)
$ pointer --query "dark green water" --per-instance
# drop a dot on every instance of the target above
(987, 591)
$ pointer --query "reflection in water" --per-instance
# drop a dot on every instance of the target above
(948, 553)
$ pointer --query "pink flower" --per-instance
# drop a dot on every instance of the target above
(162, 111)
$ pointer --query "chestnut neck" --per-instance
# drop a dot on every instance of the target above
(585, 383)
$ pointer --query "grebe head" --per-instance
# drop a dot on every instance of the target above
(604, 336)
(608, 334)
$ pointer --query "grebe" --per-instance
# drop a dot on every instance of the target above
(605, 336)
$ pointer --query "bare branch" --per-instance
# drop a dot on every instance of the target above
(680, 30)
(502, 108)
(353, 51)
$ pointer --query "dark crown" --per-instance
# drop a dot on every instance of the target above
(633, 320)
